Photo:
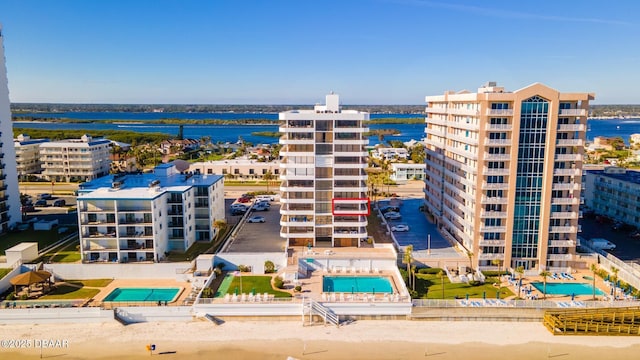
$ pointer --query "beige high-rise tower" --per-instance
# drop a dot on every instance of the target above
(503, 173)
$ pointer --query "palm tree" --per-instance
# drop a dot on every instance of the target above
(407, 258)
(220, 225)
(615, 270)
(544, 275)
(267, 177)
(470, 255)
(497, 262)
(441, 274)
(520, 271)
(593, 269)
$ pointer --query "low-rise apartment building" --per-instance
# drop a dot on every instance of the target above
(141, 217)
(239, 169)
(83, 159)
(27, 155)
(614, 192)
(401, 173)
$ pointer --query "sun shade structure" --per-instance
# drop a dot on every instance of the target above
(30, 277)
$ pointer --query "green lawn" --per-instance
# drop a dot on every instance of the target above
(91, 282)
(4, 272)
(258, 284)
(43, 238)
(65, 291)
(430, 287)
(69, 254)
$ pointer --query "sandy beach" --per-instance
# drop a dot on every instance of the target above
(370, 339)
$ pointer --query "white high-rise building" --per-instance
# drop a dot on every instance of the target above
(9, 192)
(324, 184)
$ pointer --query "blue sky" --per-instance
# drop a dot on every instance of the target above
(296, 51)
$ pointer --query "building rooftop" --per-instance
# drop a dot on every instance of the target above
(145, 186)
(626, 175)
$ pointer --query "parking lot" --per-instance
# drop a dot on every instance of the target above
(419, 230)
(627, 247)
(257, 237)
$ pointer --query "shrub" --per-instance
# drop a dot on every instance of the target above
(217, 271)
(11, 296)
(432, 271)
(207, 293)
(278, 282)
(494, 273)
(404, 274)
(298, 288)
(220, 266)
(413, 294)
(474, 283)
(244, 268)
(269, 267)
(24, 297)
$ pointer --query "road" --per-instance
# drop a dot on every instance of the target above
(35, 188)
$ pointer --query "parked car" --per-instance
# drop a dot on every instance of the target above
(260, 207)
(400, 228)
(387, 209)
(256, 219)
(244, 200)
(44, 196)
(41, 203)
(238, 211)
(59, 203)
(392, 215)
(263, 203)
(265, 197)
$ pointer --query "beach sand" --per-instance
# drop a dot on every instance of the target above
(371, 339)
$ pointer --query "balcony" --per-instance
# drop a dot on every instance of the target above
(486, 228)
(559, 256)
(499, 112)
(565, 201)
(568, 157)
(570, 142)
(562, 229)
(493, 214)
(484, 256)
(494, 186)
(573, 112)
(463, 112)
(494, 200)
(564, 215)
(484, 242)
(570, 127)
(565, 186)
(494, 171)
(435, 110)
(497, 157)
(562, 243)
(503, 142)
(567, 172)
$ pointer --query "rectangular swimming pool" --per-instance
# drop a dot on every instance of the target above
(356, 284)
(567, 288)
(143, 294)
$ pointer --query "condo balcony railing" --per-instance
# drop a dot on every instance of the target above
(568, 157)
(569, 142)
(573, 112)
(571, 127)
(499, 112)
(561, 243)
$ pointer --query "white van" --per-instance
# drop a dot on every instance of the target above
(265, 197)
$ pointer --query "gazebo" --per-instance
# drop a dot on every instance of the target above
(29, 278)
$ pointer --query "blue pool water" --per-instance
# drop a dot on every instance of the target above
(567, 288)
(142, 294)
(356, 284)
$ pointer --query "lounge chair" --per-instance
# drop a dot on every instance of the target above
(265, 297)
(324, 296)
(353, 269)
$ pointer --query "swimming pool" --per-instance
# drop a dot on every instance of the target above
(567, 288)
(143, 294)
(357, 284)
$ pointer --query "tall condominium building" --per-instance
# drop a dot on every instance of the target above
(324, 184)
(27, 155)
(141, 217)
(83, 159)
(9, 192)
(614, 192)
(503, 173)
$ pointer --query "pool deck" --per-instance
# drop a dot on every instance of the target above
(145, 283)
(578, 278)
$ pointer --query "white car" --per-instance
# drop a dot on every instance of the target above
(265, 197)
(400, 228)
(392, 215)
(256, 219)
